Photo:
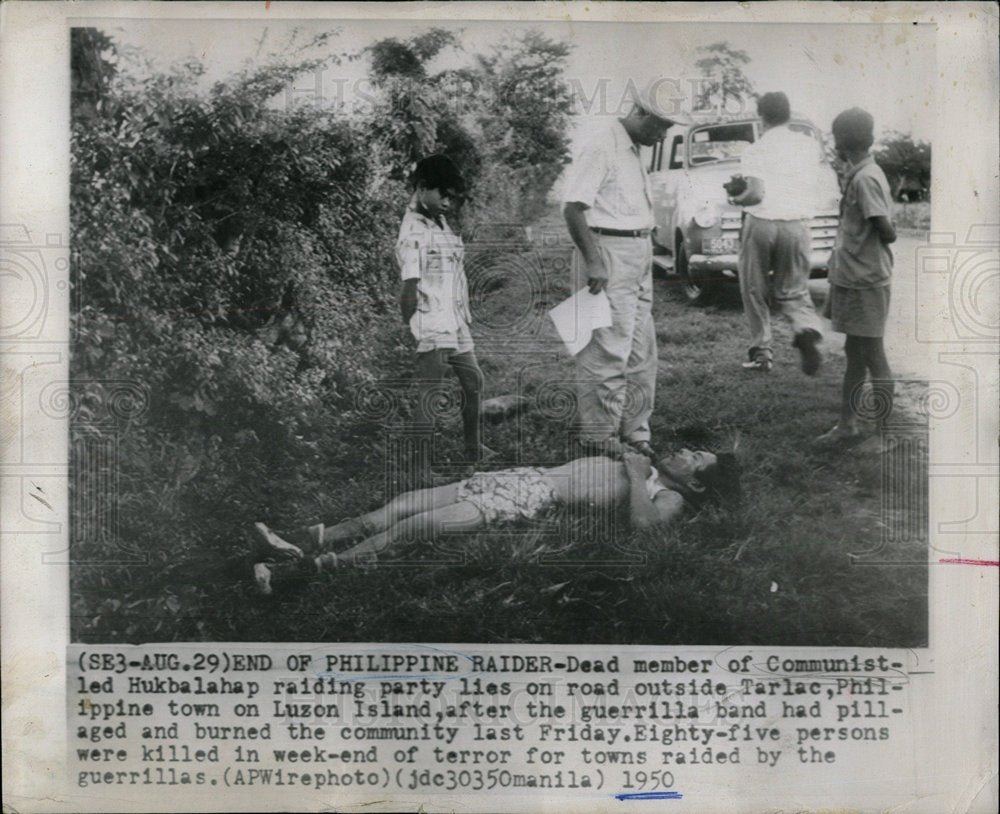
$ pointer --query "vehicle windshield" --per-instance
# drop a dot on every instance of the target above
(720, 142)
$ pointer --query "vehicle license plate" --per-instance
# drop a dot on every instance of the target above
(720, 245)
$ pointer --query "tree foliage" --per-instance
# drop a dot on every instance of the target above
(906, 164)
(226, 212)
(410, 118)
(233, 262)
(92, 69)
(724, 87)
(231, 258)
(408, 58)
(503, 119)
(528, 101)
(524, 106)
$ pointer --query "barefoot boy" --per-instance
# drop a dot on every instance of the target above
(860, 273)
(435, 301)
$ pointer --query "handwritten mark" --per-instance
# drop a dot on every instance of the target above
(960, 561)
(649, 795)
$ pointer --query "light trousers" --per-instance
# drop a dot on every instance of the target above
(616, 372)
(781, 246)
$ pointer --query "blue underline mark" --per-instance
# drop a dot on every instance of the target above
(649, 795)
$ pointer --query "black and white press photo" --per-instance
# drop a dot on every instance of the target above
(499, 407)
(317, 393)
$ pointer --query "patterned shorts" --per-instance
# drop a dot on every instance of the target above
(509, 495)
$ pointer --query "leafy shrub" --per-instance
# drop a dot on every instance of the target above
(232, 264)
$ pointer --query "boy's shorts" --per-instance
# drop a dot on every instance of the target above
(857, 311)
(459, 341)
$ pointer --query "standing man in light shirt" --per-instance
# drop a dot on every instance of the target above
(609, 213)
(782, 173)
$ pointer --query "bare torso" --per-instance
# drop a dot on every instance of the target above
(598, 481)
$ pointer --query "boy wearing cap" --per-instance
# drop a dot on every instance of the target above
(434, 300)
(608, 209)
(860, 272)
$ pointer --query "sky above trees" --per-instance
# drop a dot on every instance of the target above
(888, 69)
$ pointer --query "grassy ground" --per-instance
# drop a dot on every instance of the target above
(916, 215)
(826, 548)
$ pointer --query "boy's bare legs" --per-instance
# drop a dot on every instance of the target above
(865, 354)
(883, 386)
(430, 370)
(440, 519)
(470, 377)
(854, 379)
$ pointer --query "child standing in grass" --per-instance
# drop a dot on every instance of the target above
(860, 273)
(435, 301)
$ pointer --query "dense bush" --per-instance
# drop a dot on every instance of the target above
(232, 264)
(907, 166)
(504, 119)
(523, 113)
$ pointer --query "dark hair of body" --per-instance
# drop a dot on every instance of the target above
(721, 481)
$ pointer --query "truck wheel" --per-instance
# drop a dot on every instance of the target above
(696, 291)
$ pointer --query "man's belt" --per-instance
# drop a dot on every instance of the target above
(620, 232)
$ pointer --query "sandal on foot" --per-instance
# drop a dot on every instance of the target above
(759, 359)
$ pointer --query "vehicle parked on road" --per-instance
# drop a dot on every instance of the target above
(697, 233)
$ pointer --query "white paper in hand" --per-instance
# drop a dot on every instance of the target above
(577, 318)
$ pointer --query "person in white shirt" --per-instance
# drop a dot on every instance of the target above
(607, 205)
(782, 173)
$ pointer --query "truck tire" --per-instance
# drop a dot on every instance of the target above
(696, 291)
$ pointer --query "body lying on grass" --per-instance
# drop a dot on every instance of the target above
(655, 495)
